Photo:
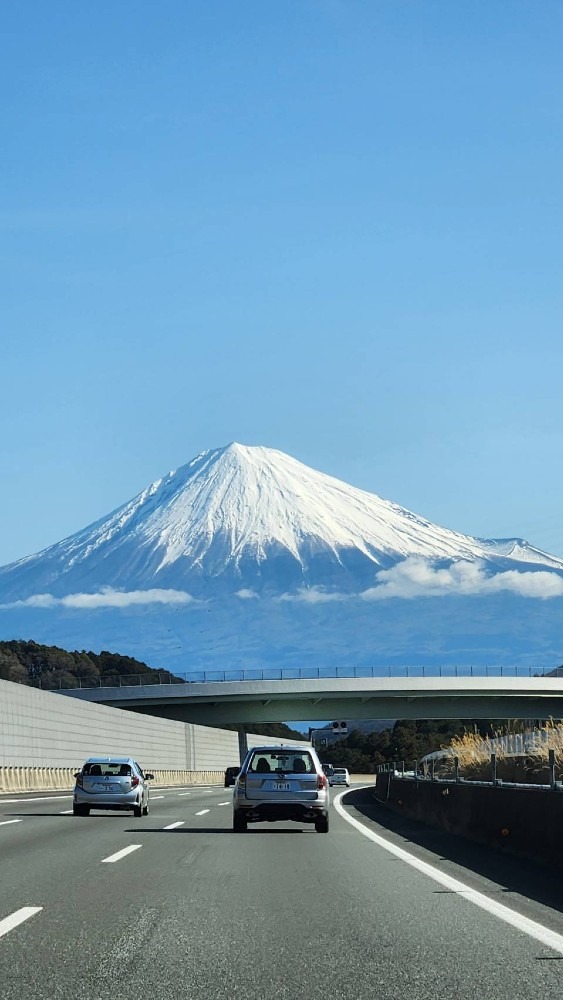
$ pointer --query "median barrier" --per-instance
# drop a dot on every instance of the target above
(526, 821)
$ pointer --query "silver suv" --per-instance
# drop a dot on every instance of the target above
(281, 783)
(111, 783)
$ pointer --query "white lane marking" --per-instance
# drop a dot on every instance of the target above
(183, 793)
(42, 798)
(530, 927)
(66, 812)
(155, 797)
(174, 826)
(6, 822)
(121, 854)
(17, 918)
(223, 803)
(202, 812)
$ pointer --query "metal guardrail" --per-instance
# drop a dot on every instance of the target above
(425, 771)
(290, 673)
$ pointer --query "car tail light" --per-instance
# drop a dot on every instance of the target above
(134, 782)
(321, 781)
(79, 780)
(242, 780)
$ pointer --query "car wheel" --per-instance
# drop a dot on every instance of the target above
(138, 810)
(79, 810)
(321, 824)
(239, 823)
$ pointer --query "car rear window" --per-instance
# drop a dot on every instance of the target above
(340, 770)
(281, 762)
(107, 769)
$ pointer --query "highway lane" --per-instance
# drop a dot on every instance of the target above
(198, 912)
(47, 846)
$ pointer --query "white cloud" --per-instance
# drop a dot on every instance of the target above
(105, 598)
(246, 594)
(416, 577)
(314, 595)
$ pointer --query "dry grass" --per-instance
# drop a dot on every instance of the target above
(474, 755)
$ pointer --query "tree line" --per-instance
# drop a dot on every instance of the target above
(50, 667)
(408, 740)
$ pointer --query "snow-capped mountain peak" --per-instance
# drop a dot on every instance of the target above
(255, 516)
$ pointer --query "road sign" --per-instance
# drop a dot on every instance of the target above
(341, 728)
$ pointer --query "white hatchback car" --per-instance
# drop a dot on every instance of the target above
(340, 776)
(115, 783)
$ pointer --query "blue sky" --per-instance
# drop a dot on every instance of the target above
(331, 227)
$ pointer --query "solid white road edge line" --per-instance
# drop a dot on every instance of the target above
(174, 826)
(121, 854)
(202, 812)
(17, 918)
(530, 927)
(6, 822)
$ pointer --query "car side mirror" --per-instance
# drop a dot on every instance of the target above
(149, 777)
(77, 774)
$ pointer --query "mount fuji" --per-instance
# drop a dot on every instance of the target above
(273, 548)
(241, 517)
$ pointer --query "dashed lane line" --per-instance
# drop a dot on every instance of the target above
(202, 812)
(174, 826)
(7, 822)
(223, 803)
(17, 918)
(121, 854)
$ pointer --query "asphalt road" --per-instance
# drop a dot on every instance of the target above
(199, 913)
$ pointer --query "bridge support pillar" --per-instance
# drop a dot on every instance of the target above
(242, 743)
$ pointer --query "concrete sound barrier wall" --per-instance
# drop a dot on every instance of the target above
(45, 737)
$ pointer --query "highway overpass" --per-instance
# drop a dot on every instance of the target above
(248, 701)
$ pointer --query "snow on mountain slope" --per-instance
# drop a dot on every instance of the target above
(254, 516)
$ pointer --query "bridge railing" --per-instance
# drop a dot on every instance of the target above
(285, 673)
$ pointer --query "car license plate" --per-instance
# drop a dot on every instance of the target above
(104, 788)
(282, 786)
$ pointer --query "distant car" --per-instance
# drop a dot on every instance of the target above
(281, 783)
(340, 776)
(231, 775)
(116, 783)
(328, 770)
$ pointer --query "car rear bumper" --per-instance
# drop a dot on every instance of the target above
(272, 812)
(100, 801)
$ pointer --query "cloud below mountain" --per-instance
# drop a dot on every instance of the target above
(416, 577)
(105, 598)
(411, 579)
